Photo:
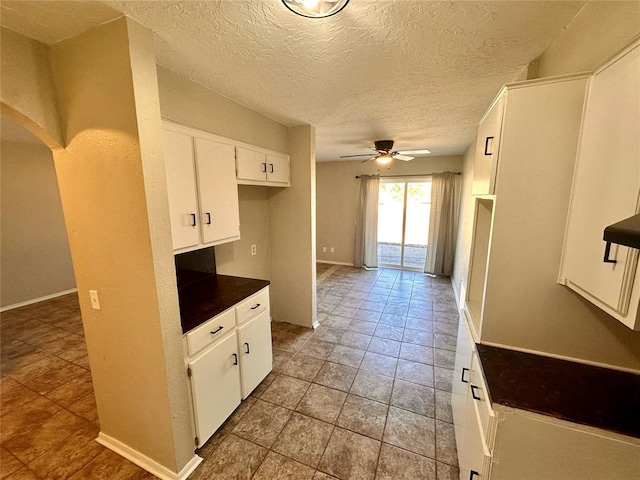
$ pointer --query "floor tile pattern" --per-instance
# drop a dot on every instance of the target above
(366, 395)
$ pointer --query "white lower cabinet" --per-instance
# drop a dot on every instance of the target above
(254, 340)
(227, 358)
(215, 386)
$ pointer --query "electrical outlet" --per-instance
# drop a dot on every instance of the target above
(95, 300)
(253, 249)
(333, 249)
(324, 249)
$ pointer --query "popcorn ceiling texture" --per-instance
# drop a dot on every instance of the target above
(419, 72)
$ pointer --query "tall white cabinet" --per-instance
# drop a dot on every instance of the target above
(202, 188)
(606, 190)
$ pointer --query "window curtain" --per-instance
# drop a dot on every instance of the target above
(442, 224)
(366, 251)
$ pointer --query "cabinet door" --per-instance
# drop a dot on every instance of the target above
(181, 188)
(278, 170)
(215, 385)
(254, 342)
(218, 189)
(485, 167)
(606, 189)
(461, 377)
(251, 165)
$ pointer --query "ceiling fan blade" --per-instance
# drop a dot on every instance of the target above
(402, 157)
(369, 159)
(424, 151)
(350, 156)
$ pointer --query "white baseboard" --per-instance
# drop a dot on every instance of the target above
(335, 263)
(36, 300)
(145, 462)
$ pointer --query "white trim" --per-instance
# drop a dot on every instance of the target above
(36, 300)
(145, 462)
(561, 357)
(335, 263)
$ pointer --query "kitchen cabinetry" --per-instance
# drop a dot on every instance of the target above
(259, 167)
(498, 442)
(517, 236)
(606, 190)
(485, 167)
(227, 357)
(202, 189)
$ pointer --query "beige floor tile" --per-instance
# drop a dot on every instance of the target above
(389, 331)
(336, 376)
(110, 466)
(328, 334)
(14, 395)
(318, 348)
(447, 472)
(73, 390)
(280, 359)
(322, 403)
(418, 337)
(384, 346)
(277, 467)
(264, 384)
(372, 386)
(398, 464)
(443, 378)
(8, 463)
(413, 397)
(363, 416)
(27, 418)
(362, 326)
(235, 458)
(446, 443)
(285, 391)
(443, 406)
(303, 439)
(350, 455)
(85, 407)
(380, 364)
(410, 431)
(355, 340)
(346, 356)
(23, 474)
(303, 367)
(416, 353)
(415, 372)
(335, 321)
(444, 358)
(262, 423)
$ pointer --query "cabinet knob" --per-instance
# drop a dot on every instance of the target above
(193, 219)
(473, 393)
(462, 376)
(247, 350)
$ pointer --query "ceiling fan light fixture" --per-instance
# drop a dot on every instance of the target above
(315, 8)
(384, 158)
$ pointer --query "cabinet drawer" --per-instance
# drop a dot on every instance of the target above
(211, 331)
(479, 392)
(252, 306)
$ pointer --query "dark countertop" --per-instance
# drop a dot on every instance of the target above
(579, 393)
(206, 298)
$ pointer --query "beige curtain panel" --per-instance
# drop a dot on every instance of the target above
(442, 224)
(366, 251)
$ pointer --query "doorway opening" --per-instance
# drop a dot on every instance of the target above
(404, 207)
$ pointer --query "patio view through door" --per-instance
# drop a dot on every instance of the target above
(403, 222)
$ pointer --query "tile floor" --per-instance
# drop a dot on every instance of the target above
(366, 395)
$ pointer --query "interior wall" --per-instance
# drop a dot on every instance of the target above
(183, 101)
(465, 223)
(337, 199)
(292, 219)
(235, 258)
(35, 256)
(27, 85)
(113, 190)
(599, 31)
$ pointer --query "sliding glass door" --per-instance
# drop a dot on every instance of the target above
(403, 222)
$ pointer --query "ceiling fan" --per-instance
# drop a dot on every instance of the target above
(385, 153)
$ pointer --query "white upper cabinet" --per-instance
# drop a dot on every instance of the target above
(181, 186)
(606, 190)
(218, 191)
(259, 167)
(485, 167)
(202, 189)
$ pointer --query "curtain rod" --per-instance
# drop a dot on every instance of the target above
(403, 176)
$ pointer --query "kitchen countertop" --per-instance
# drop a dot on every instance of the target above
(579, 393)
(208, 297)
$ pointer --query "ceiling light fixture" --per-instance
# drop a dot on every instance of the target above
(315, 8)
(384, 158)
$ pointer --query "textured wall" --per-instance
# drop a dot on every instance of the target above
(337, 199)
(35, 252)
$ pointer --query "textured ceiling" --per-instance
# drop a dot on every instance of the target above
(419, 72)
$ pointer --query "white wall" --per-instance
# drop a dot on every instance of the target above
(337, 199)
(35, 256)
